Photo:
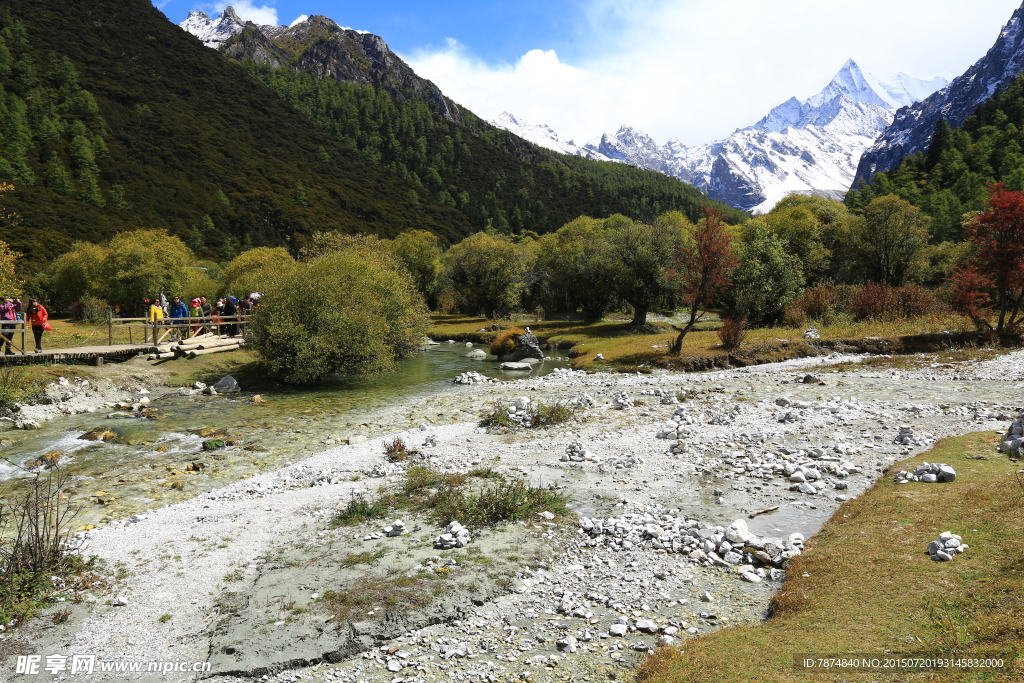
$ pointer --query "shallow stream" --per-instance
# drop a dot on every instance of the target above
(159, 459)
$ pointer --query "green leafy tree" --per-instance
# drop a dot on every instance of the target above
(641, 253)
(575, 269)
(421, 253)
(253, 270)
(351, 311)
(143, 263)
(10, 283)
(488, 272)
(767, 280)
(891, 241)
(77, 274)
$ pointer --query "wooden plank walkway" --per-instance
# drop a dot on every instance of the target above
(81, 353)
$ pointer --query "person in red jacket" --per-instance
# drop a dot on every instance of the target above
(38, 317)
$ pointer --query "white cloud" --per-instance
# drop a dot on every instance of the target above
(247, 10)
(696, 70)
(299, 19)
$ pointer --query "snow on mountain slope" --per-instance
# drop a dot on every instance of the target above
(213, 32)
(807, 147)
(912, 128)
(541, 135)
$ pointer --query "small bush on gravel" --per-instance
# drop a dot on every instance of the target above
(446, 497)
(34, 554)
(360, 510)
(537, 415)
(395, 451)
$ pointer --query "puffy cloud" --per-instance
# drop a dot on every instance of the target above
(299, 19)
(696, 70)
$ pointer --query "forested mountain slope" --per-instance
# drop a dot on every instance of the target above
(351, 83)
(912, 128)
(169, 135)
(951, 177)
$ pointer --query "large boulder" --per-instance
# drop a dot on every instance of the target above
(226, 385)
(527, 346)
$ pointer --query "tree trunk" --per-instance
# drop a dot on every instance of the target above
(639, 317)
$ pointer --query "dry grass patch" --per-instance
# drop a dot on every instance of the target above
(865, 584)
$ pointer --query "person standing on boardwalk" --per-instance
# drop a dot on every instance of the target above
(178, 311)
(9, 310)
(230, 312)
(38, 317)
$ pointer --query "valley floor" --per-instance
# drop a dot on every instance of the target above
(237, 577)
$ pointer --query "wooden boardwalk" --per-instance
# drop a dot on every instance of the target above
(95, 355)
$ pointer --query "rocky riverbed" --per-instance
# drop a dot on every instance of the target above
(658, 469)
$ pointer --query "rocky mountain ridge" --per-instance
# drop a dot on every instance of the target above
(912, 127)
(810, 146)
(320, 46)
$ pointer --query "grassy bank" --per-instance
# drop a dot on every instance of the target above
(866, 585)
(622, 347)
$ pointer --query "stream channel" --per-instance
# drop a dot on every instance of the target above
(159, 459)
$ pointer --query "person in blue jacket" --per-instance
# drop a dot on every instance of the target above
(179, 310)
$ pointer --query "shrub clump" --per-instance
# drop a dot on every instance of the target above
(505, 342)
(448, 496)
(353, 311)
(532, 416)
(732, 333)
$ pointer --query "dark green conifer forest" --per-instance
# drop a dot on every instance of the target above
(952, 177)
(112, 118)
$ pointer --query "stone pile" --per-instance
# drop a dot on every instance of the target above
(396, 528)
(947, 546)
(473, 378)
(812, 333)
(752, 558)
(665, 397)
(565, 373)
(929, 473)
(575, 452)
(625, 462)
(521, 410)
(583, 400)
(906, 437)
(622, 401)
(1013, 440)
(676, 427)
(454, 536)
(430, 440)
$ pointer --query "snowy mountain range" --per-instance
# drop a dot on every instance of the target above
(912, 128)
(810, 146)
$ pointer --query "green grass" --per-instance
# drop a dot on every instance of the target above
(866, 585)
(537, 415)
(446, 497)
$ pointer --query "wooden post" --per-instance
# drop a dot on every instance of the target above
(110, 327)
(130, 334)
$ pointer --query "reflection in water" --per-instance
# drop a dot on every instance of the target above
(147, 463)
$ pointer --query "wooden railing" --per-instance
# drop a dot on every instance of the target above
(176, 328)
(140, 329)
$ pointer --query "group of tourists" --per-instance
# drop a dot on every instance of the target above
(35, 316)
(209, 315)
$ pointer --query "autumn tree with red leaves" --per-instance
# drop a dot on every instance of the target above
(702, 268)
(992, 281)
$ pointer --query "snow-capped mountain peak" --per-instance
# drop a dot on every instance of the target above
(213, 32)
(809, 146)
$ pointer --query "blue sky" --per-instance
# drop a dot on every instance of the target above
(693, 70)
